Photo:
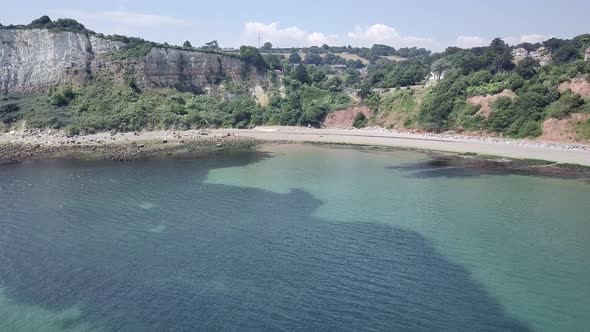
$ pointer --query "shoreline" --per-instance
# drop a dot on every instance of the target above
(118, 149)
(562, 153)
(51, 144)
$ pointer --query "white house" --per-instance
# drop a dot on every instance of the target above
(519, 52)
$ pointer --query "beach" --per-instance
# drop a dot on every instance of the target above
(132, 145)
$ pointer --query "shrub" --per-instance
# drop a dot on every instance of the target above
(72, 130)
(481, 77)
(567, 103)
(62, 96)
(515, 82)
(313, 115)
(487, 89)
(501, 103)
(583, 130)
(530, 129)
(8, 113)
(360, 120)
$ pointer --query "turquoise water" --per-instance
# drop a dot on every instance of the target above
(295, 237)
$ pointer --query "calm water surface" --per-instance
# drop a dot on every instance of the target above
(292, 238)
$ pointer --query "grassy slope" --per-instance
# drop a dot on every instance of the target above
(399, 109)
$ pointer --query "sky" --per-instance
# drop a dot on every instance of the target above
(430, 24)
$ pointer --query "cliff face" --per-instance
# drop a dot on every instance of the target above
(34, 60)
(187, 70)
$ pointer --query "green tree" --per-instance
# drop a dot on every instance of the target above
(554, 44)
(300, 74)
(439, 66)
(318, 76)
(212, 45)
(567, 53)
(528, 46)
(313, 115)
(294, 58)
(502, 62)
(252, 56)
(332, 59)
(40, 22)
(267, 46)
(364, 91)
(273, 61)
(187, 44)
(312, 58)
(498, 45)
(527, 68)
(380, 50)
(481, 77)
(352, 77)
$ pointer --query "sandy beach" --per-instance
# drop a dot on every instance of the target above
(519, 149)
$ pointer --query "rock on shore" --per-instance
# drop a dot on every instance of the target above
(27, 146)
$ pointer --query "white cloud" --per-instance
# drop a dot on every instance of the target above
(279, 36)
(106, 19)
(534, 38)
(530, 38)
(471, 41)
(361, 36)
(383, 34)
(318, 38)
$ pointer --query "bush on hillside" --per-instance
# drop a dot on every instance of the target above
(360, 120)
(567, 103)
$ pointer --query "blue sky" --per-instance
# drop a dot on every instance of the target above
(430, 24)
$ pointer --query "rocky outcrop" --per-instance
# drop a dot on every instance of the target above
(36, 59)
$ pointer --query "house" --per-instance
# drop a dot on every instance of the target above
(519, 52)
(541, 55)
(338, 67)
(538, 52)
(587, 54)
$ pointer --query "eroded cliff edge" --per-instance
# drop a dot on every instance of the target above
(37, 59)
